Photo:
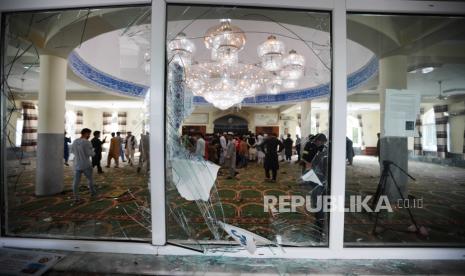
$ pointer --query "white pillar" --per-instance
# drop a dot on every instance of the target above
(52, 96)
(305, 118)
(393, 75)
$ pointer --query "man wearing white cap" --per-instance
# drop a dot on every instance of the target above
(223, 144)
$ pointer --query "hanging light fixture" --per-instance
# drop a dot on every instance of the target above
(273, 86)
(293, 66)
(147, 61)
(224, 85)
(224, 81)
(271, 53)
(181, 49)
(225, 41)
(225, 37)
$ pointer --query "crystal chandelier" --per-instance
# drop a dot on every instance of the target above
(293, 66)
(271, 53)
(180, 50)
(224, 85)
(224, 81)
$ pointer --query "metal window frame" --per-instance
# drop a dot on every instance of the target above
(338, 9)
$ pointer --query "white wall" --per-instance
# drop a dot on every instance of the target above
(11, 127)
(371, 125)
(323, 120)
(290, 121)
(93, 118)
(457, 126)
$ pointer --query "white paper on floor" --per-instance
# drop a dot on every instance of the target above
(312, 177)
(194, 179)
(245, 238)
(26, 262)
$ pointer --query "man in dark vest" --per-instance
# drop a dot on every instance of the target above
(97, 145)
(271, 146)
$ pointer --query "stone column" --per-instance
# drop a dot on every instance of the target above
(52, 96)
(393, 75)
(305, 118)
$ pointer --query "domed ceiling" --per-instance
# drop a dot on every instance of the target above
(122, 67)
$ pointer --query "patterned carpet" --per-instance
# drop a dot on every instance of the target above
(242, 202)
(441, 188)
(56, 216)
(105, 218)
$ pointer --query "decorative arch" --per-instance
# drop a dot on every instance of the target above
(231, 123)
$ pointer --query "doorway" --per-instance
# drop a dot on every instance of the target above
(231, 123)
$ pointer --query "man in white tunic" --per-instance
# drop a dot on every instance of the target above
(223, 144)
(83, 151)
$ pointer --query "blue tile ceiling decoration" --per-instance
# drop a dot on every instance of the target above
(103, 80)
(127, 88)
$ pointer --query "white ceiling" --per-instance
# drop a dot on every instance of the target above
(122, 55)
(125, 59)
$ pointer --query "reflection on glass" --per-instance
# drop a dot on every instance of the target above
(60, 77)
(240, 110)
(406, 121)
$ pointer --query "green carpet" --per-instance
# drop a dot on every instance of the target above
(242, 202)
(112, 215)
(120, 191)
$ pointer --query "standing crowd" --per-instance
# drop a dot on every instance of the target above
(233, 152)
(88, 155)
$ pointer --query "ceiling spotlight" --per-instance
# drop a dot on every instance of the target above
(427, 70)
(424, 68)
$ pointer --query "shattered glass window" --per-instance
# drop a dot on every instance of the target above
(247, 93)
(407, 173)
(64, 71)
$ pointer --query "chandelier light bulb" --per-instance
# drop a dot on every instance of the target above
(225, 57)
(147, 56)
(147, 62)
